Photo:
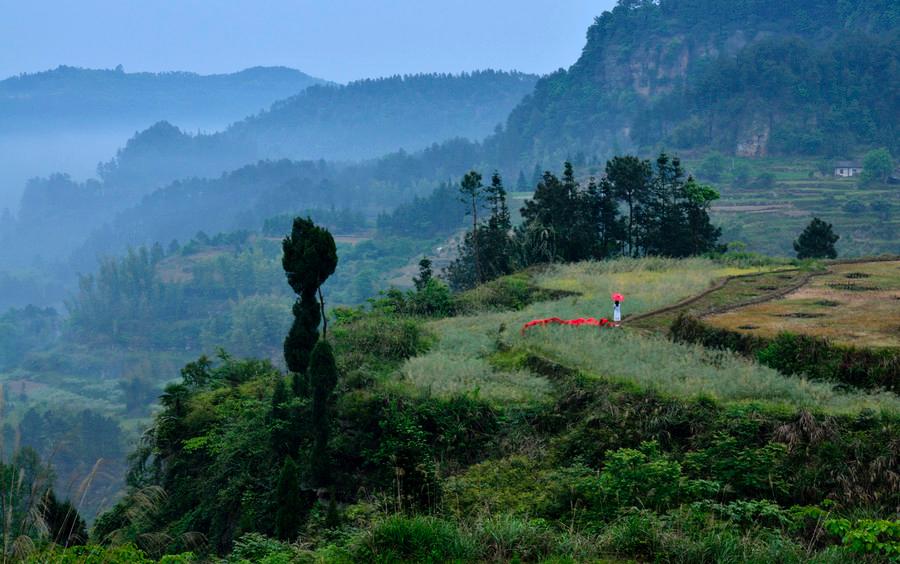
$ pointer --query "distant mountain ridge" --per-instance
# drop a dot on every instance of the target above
(362, 120)
(72, 96)
(68, 119)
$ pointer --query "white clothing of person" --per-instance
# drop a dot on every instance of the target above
(617, 313)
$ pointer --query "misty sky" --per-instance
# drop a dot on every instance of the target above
(338, 40)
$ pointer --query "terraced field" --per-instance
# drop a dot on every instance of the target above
(855, 304)
(768, 218)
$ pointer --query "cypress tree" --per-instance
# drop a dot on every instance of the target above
(310, 257)
(425, 274)
(323, 378)
(291, 510)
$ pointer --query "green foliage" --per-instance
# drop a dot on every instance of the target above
(642, 478)
(124, 554)
(868, 536)
(23, 330)
(799, 355)
(65, 526)
(254, 547)
(404, 452)
(745, 470)
(415, 539)
(713, 167)
(323, 376)
(291, 509)
(816, 241)
(378, 339)
(878, 165)
(310, 257)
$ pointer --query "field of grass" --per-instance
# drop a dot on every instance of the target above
(854, 304)
(460, 362)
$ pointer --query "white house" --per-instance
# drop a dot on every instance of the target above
(847, 168)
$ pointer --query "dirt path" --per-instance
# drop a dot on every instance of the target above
(736, 292)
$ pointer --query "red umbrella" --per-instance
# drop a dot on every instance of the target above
(618, 297)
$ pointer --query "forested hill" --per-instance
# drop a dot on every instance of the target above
(750, 77)
(78, 97)
(362, 120)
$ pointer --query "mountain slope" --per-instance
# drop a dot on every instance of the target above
(69, 119)
(362, 120)
(711, 74)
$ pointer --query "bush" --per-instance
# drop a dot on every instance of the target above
(876, 537)
(514, 539)
(799, 355)
(378, 338)
(415, 539)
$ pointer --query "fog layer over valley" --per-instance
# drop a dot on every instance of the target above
(70, 119)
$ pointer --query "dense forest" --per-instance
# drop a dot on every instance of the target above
(756, 77)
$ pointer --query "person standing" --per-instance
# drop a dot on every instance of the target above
(617, 307)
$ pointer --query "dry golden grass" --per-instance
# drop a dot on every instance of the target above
(855, 304)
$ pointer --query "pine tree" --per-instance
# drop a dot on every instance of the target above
(310, 257)
(323, 377)
(557, 221)
(291, 511)
(486, 251)
(64, 525)
(522, 182)
(816, 241)
(425, 274)
(472, 194)
(608, 222)
(631, 180)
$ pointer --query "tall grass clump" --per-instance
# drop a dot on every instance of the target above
(399, 538)
(443, 376)
(689, 371)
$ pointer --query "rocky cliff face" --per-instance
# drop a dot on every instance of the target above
(643, 51)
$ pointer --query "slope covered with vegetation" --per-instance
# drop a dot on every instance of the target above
(461, 439)
(753, 77)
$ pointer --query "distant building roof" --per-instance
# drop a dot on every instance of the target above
(848, 164)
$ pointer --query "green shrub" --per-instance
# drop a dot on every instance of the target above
(746, 470)
(415, 539)
(799, 355)
(876, 537)
(254, 547)
(125, 554)
(514, 539)
(518, 485)
(378, 339)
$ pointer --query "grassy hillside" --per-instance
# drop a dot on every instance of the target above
(462, 439)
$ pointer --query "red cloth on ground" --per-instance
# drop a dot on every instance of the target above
(603, 322)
